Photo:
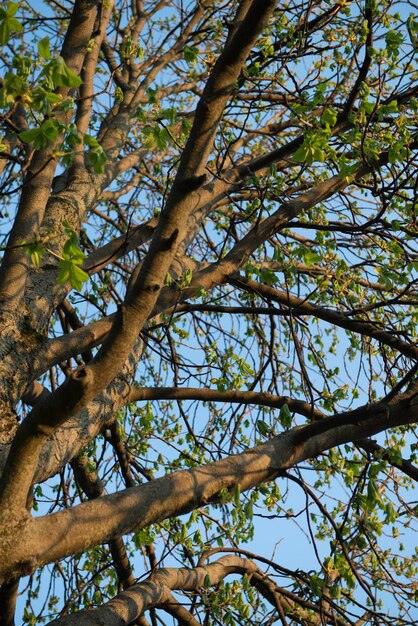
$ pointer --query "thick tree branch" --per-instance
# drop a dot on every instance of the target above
(155, 591)
(37, 186)
(172, 227)
(74, 529)
(71, 438)
(210, 276)
(203, 120)
(82, 385)
(234, 396)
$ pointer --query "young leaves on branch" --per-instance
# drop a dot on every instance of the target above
(70, 261)
(8, 22)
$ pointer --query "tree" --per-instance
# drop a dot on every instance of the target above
(208, 300)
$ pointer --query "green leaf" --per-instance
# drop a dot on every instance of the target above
(285, 416)
(71, 247)
(317, 585)
(35, 252)
(91, 141)
(27, 136)
(41, 136)
(61, 75)
(185, 126)
(329, 118)
(143, 538)
(72, 251)
(301, 154)
(310, 152)
(155, 137)
(335, 592)
(412, 26)
(69, 271)
(314, 148)
(72, 257)
(237, 495)
(373, 496)
(170, 114)
(51, 97)
(244, 368)
(8, 23)
(311, 258)
(268, 276)
(262, 427)
(43, 48)
(394, 40)
(249, 510)
(152, 95)
(191, 55)
(50, 130)
(96, 156)
(391, 513)
(12, 8)
(148, 138)
(186, 279)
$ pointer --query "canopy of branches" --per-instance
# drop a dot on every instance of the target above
(208, 309)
